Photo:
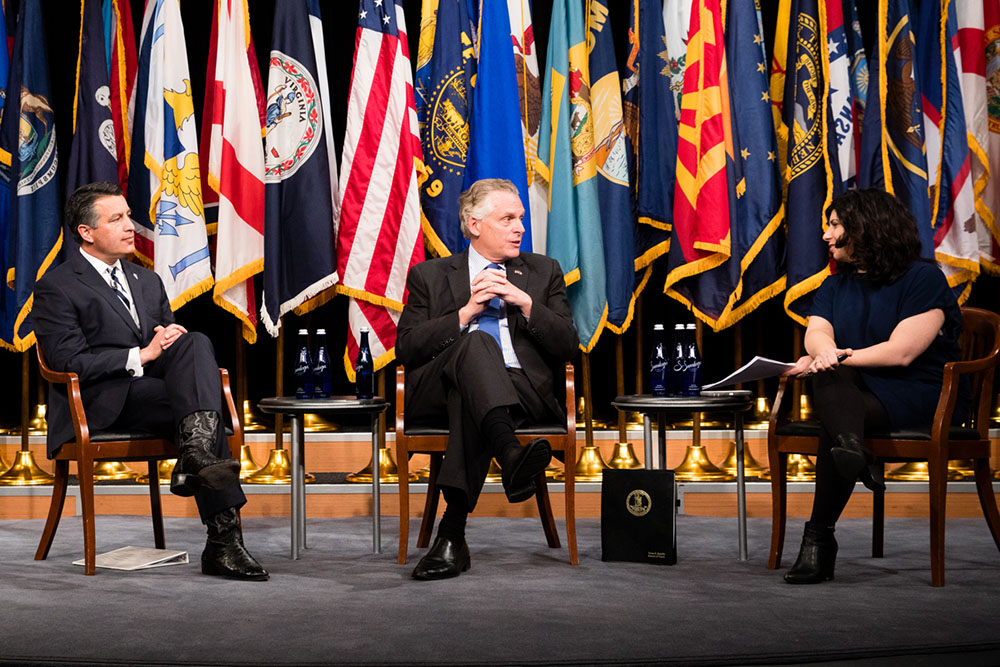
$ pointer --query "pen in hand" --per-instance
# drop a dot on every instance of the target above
(840, 358)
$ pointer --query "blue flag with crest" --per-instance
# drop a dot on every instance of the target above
(29, 187)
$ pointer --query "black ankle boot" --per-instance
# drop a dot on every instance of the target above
(197, 466)
(224, 552)
(854, 461)
(817, 556)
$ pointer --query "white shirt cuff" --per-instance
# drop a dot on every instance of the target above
(133, 365)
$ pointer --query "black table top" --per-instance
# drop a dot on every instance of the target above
(741, 400)
(332, 405)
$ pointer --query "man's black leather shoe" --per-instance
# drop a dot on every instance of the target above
(521, 465)
(224, 553)
(445, 559)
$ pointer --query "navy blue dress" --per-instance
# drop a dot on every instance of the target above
(864, 314)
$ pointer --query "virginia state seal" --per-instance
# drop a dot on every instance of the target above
(293, 116)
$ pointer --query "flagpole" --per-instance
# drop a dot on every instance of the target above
(590, 465)
(387, 470)
(624, 456)
(247, 465)
(278, 469)
(24, 471)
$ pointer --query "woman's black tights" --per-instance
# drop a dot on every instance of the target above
(844, 405)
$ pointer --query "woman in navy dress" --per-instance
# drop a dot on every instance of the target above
(880, 331)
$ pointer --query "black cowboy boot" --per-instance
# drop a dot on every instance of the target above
(817, 556)
(196, 465)
(854, 460)
(224, 552)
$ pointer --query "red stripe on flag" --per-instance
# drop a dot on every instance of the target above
(243, 189)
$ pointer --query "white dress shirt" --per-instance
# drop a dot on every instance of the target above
(132, 365)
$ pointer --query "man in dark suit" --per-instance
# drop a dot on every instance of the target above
(480, 336)
(110, 322)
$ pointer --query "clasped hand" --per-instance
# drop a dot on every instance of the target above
(487, 284)
(162, 339)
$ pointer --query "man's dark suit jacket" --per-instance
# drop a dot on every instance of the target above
(438, 288)
(84, 328)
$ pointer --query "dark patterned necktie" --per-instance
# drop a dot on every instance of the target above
(489, 319)
(119, 289)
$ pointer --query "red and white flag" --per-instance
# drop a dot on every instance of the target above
(379, 238)
(235, 161)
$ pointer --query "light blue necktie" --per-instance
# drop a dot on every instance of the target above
(489, 319)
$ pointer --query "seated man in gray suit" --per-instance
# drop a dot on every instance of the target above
(481, 335)
(109, 321)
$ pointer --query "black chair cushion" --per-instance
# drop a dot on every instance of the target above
(811, 429)
(112, 436)
(536, 429)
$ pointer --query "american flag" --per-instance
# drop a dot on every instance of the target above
(379, 235)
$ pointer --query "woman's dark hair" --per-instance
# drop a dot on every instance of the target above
(80, 206)
(880, 233)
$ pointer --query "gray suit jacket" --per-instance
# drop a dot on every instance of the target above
(84, 328)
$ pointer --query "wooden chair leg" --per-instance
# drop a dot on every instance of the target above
(403, 466)
(430, 503)
(779, 488)
(155, 506)
(569, 485)
(988, 501)
(59, 485)
(937, 469)
(85, 473)
(544, 503)
(878, 521)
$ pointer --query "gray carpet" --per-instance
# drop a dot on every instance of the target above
(521, 603)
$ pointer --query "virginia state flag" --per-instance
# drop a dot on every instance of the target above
(700, 237)
(29, 187)
(443, 97)
(164, 175)
(893, 149)
(300, 244)
(949, 164)
(94, 152)
(495, 119)
(810, 172)
(566, 161)
(613, 191)
(650, 138)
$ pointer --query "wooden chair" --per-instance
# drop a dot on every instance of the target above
(936, 444)
(112, 446)
(434, 441)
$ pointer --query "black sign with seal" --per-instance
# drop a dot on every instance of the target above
(639, 516)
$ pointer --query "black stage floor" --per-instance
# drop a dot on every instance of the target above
(521, 603)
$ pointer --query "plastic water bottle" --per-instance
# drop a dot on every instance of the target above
(676, 361)
(322, 370)
(658, 363)
(691, 379)
(364, 368)
(304, 368)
